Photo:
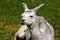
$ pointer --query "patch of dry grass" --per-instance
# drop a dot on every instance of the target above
(8, 31)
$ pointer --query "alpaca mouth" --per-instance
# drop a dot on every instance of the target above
(23, 23)
(18, 38)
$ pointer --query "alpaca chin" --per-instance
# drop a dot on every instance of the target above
(18, 38)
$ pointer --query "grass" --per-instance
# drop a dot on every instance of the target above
(11, 10)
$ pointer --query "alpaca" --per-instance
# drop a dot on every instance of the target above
(39, 28)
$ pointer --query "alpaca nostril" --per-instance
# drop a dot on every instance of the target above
(22, 20)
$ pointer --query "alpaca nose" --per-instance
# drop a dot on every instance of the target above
(22, 20)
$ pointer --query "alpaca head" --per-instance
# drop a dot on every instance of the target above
(29, 15)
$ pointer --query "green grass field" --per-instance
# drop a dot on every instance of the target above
(11, 10)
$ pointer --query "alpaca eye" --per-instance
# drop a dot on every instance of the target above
(31, 16)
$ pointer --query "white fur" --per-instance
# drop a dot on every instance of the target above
(21, 32)
(26, 17)
(39, 28)
(30, 12)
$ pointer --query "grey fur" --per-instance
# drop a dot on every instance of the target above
(41, 30)
(38, 27)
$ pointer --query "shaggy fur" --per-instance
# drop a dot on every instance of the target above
(38, 27)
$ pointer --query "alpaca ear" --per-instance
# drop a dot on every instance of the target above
(25, 6)
(36, 8)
